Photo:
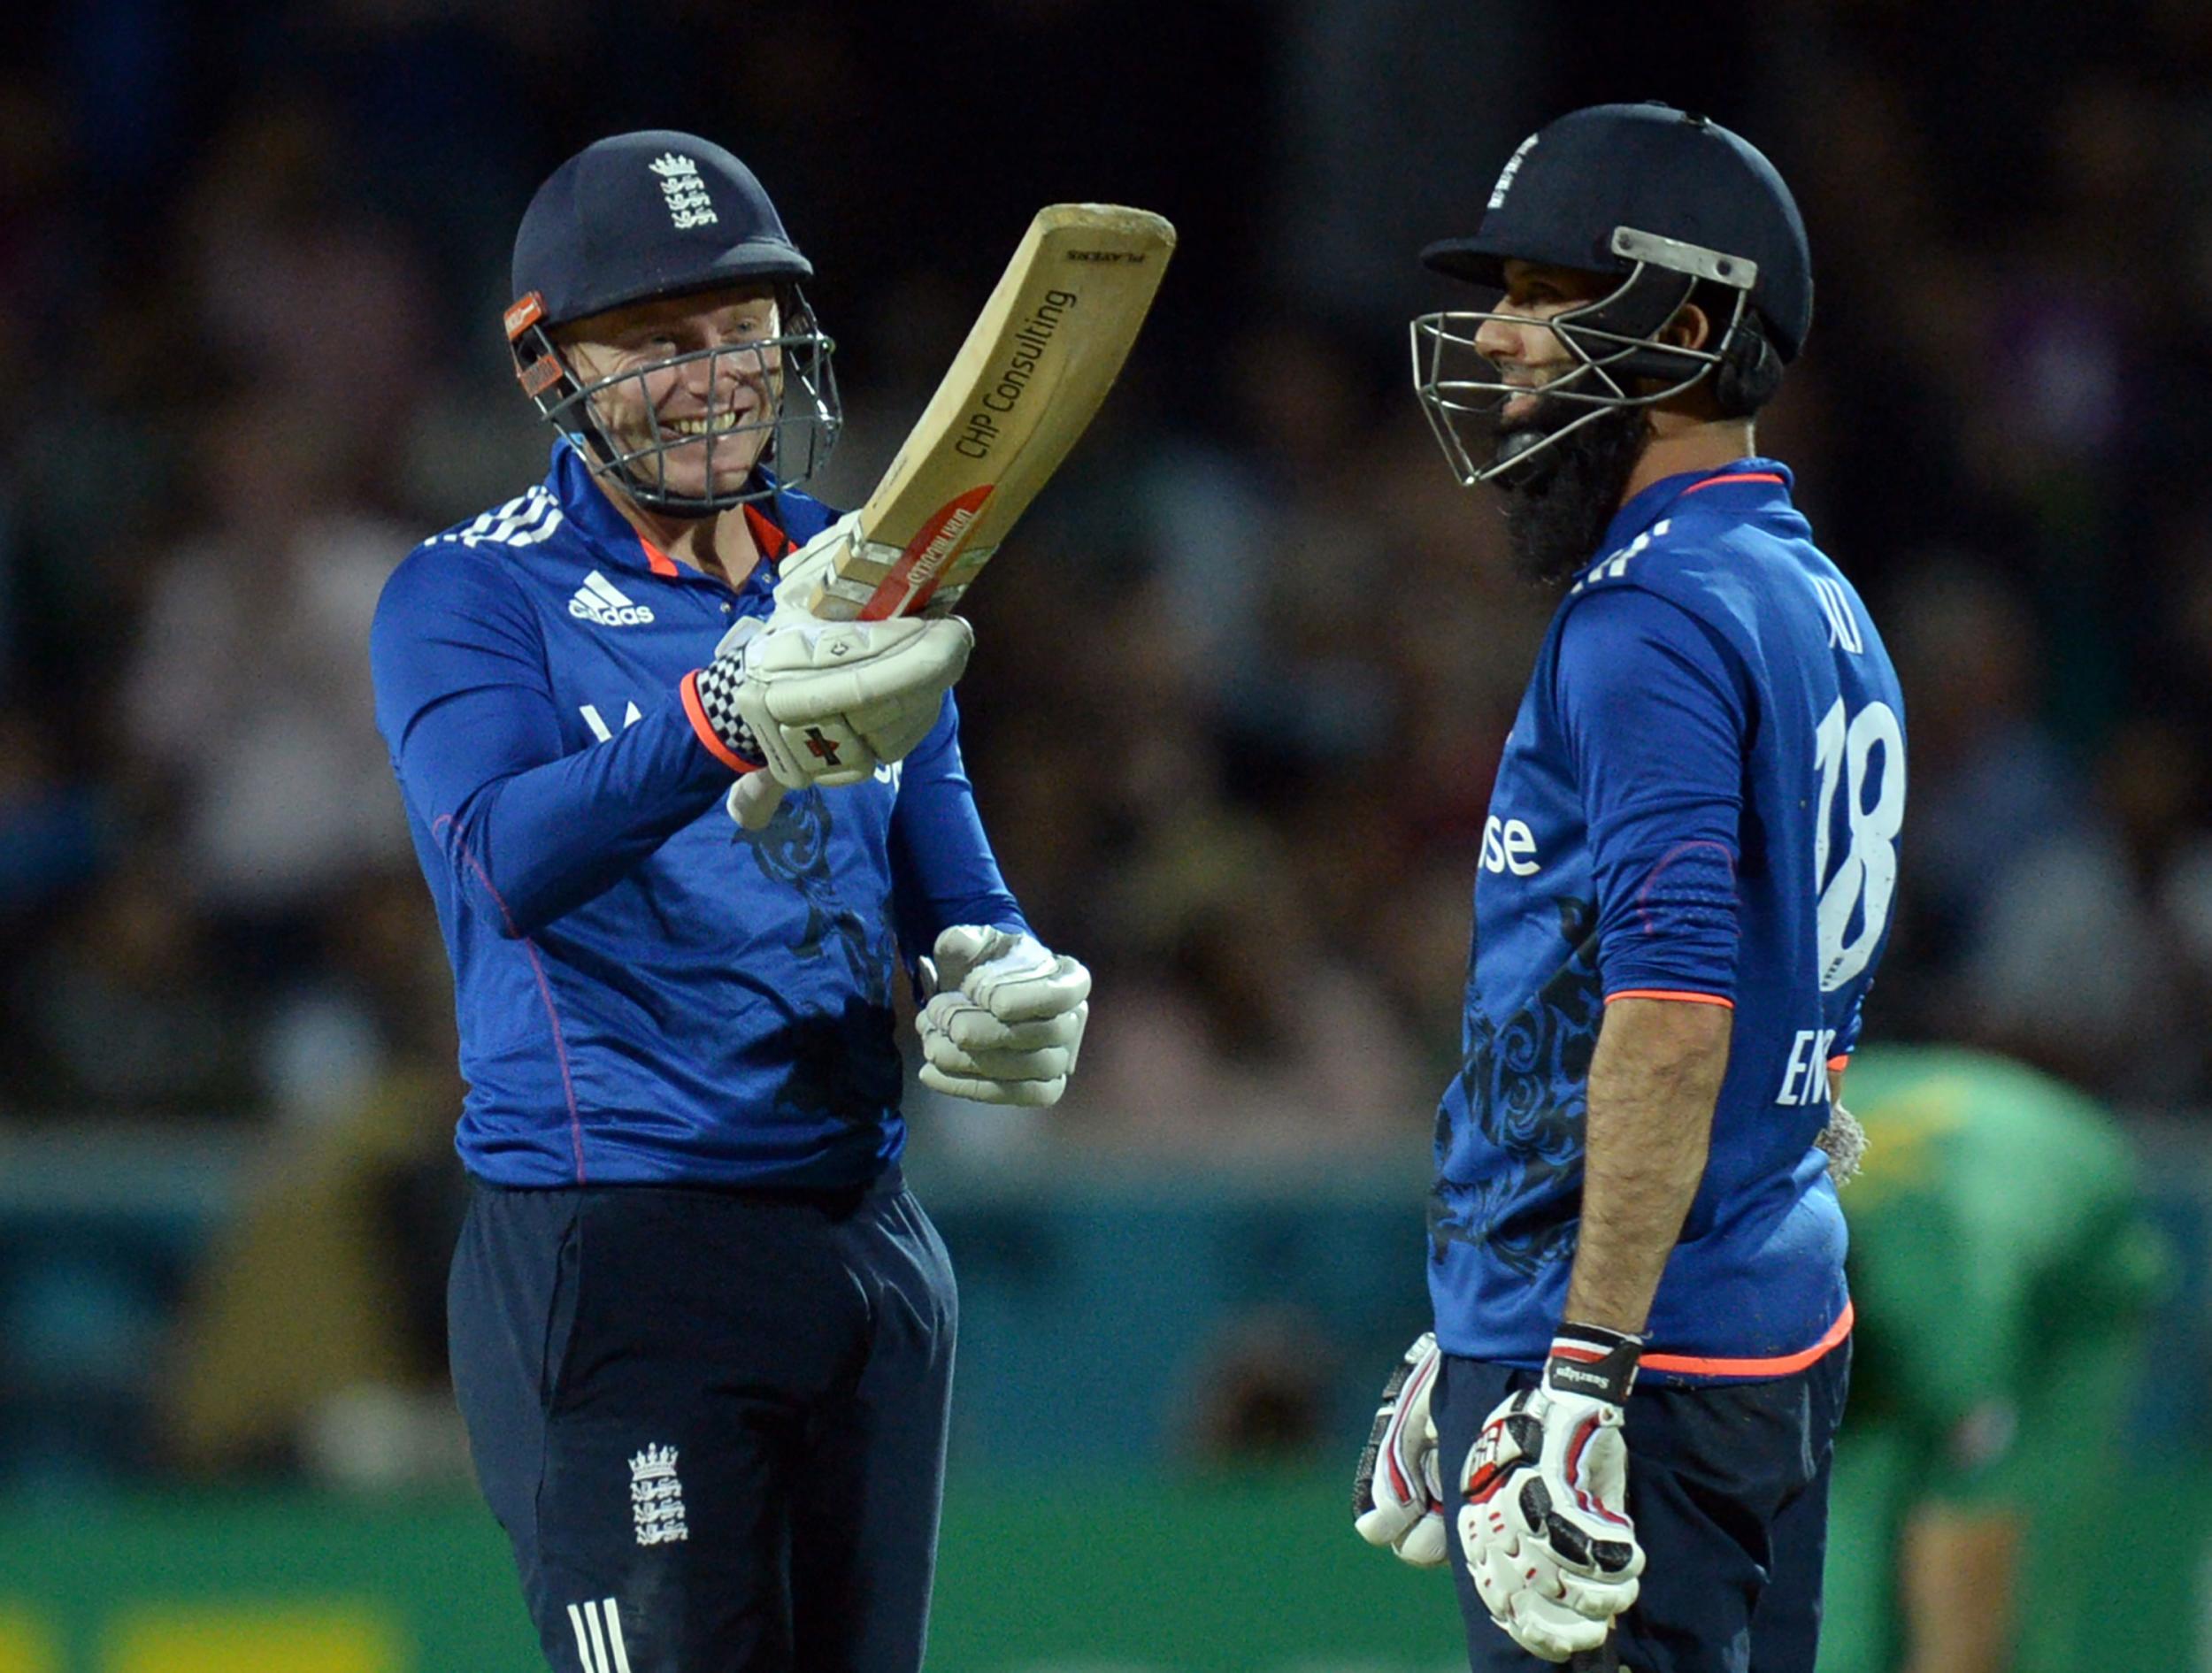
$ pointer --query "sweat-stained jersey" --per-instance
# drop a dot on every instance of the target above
(647, 993)
(1701, 799)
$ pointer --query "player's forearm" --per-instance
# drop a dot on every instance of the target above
(1654, 1078)
(943, 871)
(544, 840)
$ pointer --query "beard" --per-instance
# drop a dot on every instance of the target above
(1558, 506)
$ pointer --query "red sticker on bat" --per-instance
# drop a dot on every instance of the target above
(927, 556)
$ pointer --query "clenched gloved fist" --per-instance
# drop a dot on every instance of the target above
(1397, 1497)
(1003, 1017)
(818, 703)
(1543, 1526)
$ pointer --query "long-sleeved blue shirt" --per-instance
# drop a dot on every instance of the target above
(645, 991)
(1700, 800)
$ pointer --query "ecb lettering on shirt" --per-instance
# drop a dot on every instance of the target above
(1805, 1077)
(1507, 845)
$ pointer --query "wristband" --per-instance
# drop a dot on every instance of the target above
(717, 685)
(1592, 1361)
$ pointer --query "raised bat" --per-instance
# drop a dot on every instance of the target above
(1036, 364)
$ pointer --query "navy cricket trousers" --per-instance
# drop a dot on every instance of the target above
(712, 1422)
(1728, 1487)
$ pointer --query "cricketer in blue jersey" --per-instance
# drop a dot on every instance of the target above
(1619, 1432)
(700, 1334)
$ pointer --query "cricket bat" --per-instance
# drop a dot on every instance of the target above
(1035, 366)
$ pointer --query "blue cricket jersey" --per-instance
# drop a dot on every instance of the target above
(1701, 799)
(647, 992)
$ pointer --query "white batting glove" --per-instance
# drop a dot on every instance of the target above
(1003, 1017)
(1397, 1495)
(1544, 1528)
(800, 574)
(822, 702)
(894, 727)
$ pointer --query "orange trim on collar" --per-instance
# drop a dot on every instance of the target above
(1781, 1365)
(766, 537)
(772, 541)
(1733, 476)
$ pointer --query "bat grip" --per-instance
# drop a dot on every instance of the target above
(1604, 1659)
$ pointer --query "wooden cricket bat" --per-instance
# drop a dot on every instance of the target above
(1035, 366)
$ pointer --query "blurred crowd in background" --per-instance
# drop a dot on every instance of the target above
(1241, 688)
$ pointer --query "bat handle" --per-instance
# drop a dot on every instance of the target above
(753, 800)
(1604, 1659)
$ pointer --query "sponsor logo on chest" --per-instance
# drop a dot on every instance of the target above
(599, 600)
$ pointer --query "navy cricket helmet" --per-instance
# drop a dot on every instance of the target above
(1680, 209)
(644, 217)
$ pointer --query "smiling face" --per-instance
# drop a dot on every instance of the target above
(1517, 342)
(689, 384)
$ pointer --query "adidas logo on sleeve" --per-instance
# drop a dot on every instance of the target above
(600, 600)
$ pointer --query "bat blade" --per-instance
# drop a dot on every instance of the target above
(1035, 368)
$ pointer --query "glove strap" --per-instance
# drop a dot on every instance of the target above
(718, 684)
(1592, 1361)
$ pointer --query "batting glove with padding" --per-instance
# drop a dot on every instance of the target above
(818, 703)
(1003, 1017)
(1544, 1525)
(1398, 1495)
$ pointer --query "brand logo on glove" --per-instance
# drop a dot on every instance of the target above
(820, 747)
(1567, 1374)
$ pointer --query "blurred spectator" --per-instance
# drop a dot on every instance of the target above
(50, 828)
(244, 700)
(1228, 1029)
(321, 1309)
(126, 1010)
(1260, 1394)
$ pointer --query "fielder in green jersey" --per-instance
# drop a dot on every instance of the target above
(2002, 1269)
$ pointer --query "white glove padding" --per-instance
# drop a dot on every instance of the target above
(799, 572)
(1012, 975)
(893, 728)
(1398, 1495)
(889, 730)
(1547, 1539)
(824, 702)
(1003, 1018)
(802, 672)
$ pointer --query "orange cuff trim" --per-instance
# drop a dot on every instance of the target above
(1780, 1366)
(695, 712)
(657, 560)
(1669, 992)
(1840, 1064)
